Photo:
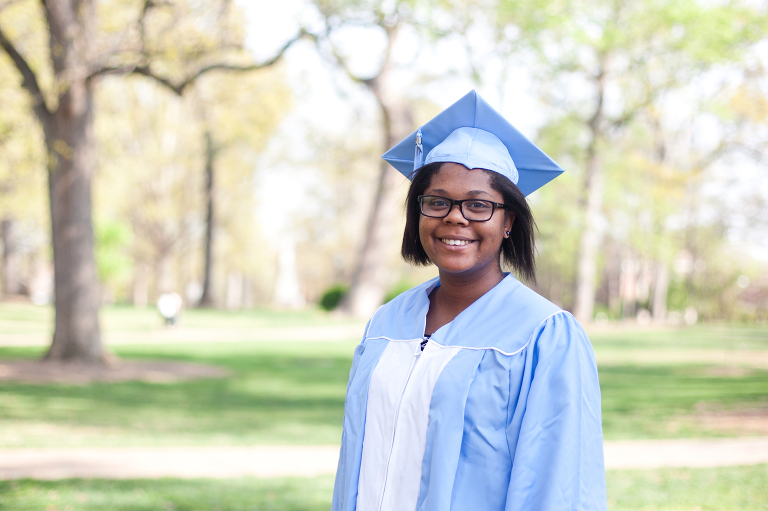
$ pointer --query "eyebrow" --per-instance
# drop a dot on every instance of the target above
(471, 193)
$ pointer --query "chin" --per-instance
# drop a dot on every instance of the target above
(458, 267)
(453, 263)
(463, 264)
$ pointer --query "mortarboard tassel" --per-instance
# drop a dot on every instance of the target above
(419, 157)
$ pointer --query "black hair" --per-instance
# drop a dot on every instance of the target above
(517, 251)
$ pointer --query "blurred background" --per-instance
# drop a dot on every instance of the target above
(226, 155)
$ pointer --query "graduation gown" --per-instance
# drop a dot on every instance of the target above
(500, 411)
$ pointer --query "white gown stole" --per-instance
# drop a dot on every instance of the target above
(397, 417)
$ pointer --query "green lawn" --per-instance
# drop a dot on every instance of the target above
(285, 393)
(661, 401)
(293, 392)
(653, 381)
(732, 488)
(702, 336)
(246, 494)
(26, 318)
(717, 489)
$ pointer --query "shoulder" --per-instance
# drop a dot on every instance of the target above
(402, 317)
(560, 331)
(506, 318)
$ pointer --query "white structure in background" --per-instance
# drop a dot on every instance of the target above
(169, 306)
(287, 285)
(235, 290)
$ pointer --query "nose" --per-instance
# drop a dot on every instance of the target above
(455, 216)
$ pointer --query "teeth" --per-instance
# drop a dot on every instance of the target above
(455, 242)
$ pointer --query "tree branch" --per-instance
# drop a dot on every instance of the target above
(371, 82)
(629, 114)
(29, 79)
(178, 88)
(340, 60)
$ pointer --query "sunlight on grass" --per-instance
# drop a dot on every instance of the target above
(743, 488)
(276, 394)
(24, 318)
(293, 392)
(168, 494)
(712, 489)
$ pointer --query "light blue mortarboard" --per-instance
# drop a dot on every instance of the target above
(472, 133)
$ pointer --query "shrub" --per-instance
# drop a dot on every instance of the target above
(333, 297)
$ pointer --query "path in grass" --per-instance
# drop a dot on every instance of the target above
(307, 461)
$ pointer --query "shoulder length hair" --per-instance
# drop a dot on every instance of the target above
(517, 252)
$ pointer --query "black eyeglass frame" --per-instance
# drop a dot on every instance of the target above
(460, 203)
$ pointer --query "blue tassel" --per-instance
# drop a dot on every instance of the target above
(419, 157)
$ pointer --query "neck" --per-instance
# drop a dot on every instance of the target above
(460, 291)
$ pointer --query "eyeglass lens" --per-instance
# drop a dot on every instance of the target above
(472, 209)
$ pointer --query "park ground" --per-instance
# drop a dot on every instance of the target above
(267, 378)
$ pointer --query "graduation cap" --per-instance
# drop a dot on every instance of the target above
(472, 133)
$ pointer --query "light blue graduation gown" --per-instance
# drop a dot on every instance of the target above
(501, 411)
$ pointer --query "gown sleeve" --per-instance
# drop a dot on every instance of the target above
(557, 447)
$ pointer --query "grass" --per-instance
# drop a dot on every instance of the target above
(25, 318)
(293, 392)
(168, 494)
(287, 393)
(702, 336)
(731, 488)
(660, 402)
(726, 488)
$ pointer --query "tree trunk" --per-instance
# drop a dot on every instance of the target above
(69, 141)
(140, 285)
(166, 280)
(368, 286)
(206, 299)
(234, 298)
(591, 236)
(11, 275)
(589, 246)
(629, 268)
(613, 274)
(660, 292)
(76, 291)
(287, 292)
(369, 279)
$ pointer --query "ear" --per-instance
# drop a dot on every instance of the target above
(509, 219)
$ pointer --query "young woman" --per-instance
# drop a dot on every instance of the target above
(471, 391)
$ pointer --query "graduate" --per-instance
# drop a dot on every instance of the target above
(470, 391)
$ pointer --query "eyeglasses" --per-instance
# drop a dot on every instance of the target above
(474, 210)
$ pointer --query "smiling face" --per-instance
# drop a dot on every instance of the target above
(454, 244)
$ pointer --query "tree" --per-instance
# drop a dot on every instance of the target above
(626, 56)
(232, 123)
(368, 283)
(21, 183)
(389, 19)
(149, 178)
(87, 40)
